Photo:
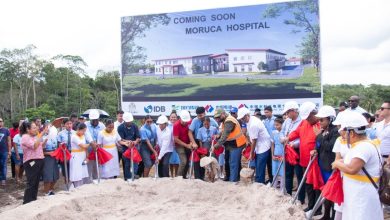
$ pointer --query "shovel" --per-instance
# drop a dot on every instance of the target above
(309, 215)
(204, 161)
(97, 165)
(156, 169)
(66, 170)
(303, 179)
(247, 172)
(191, 163)
(277, 173)
(132, 164)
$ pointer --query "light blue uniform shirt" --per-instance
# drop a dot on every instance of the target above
(197, 123)
(51, 144)
(94, 131)
(205, 135)
(148, 133)
(278, 150)
(62, 137)
(269, 124)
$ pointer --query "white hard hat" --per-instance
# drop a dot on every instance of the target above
(305, 109)
(326, 111)
(162, 119)
(290, 105)
(185, 116)
(93, 114)
(339, 118)
(353, 120)
(128, 117)
(242, 112)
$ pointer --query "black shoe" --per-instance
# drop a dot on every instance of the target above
(307, 209)
(226, 179)
(318, 212)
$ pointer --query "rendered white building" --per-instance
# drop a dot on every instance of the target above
(173, 66)
(247, 60)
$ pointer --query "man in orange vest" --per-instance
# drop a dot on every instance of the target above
(233, 139)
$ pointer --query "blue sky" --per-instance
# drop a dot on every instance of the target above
(172, 41)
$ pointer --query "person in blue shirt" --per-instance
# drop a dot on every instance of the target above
(197, 123)
(5, 151)
(64, 136)
(193, 131)
(148, 135)
(269, 125)
(94, 127)
(50, 167)
(277, 152)
(370, 130)
(206, 133)
(17, 154)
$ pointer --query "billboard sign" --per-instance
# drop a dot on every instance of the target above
(218, 58)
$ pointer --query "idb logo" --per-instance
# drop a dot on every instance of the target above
(149, 109)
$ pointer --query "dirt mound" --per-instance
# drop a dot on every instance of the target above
(161, 199)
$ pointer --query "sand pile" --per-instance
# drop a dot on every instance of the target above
(161, 199)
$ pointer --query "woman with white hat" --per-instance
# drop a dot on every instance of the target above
(362, 162)
(325, 138)
(164, 140)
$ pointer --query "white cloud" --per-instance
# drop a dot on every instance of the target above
(355, 34)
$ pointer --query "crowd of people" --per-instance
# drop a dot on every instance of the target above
(343, 141)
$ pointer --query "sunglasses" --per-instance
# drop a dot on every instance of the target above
(149, 122)
(352, 100)
(383, 108)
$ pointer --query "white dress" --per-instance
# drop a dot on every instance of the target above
(361, 199)
(108, 142)
(77, 171)
(340, 146)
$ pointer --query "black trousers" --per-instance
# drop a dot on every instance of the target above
(165, 165)
(13, 167)
(312, 195)
(269, 168)
(298, 170)
(227, 165)
(34, 171)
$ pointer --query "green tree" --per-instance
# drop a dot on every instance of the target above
(304, 17)
(44, 111)
(132, 28)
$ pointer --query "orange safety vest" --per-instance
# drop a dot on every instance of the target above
(236, 134)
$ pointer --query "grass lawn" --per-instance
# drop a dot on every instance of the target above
(151, 86)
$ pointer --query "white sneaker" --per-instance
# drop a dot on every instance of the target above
(308, 213)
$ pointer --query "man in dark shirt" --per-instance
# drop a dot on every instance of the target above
(129, 132)
(5, 151)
